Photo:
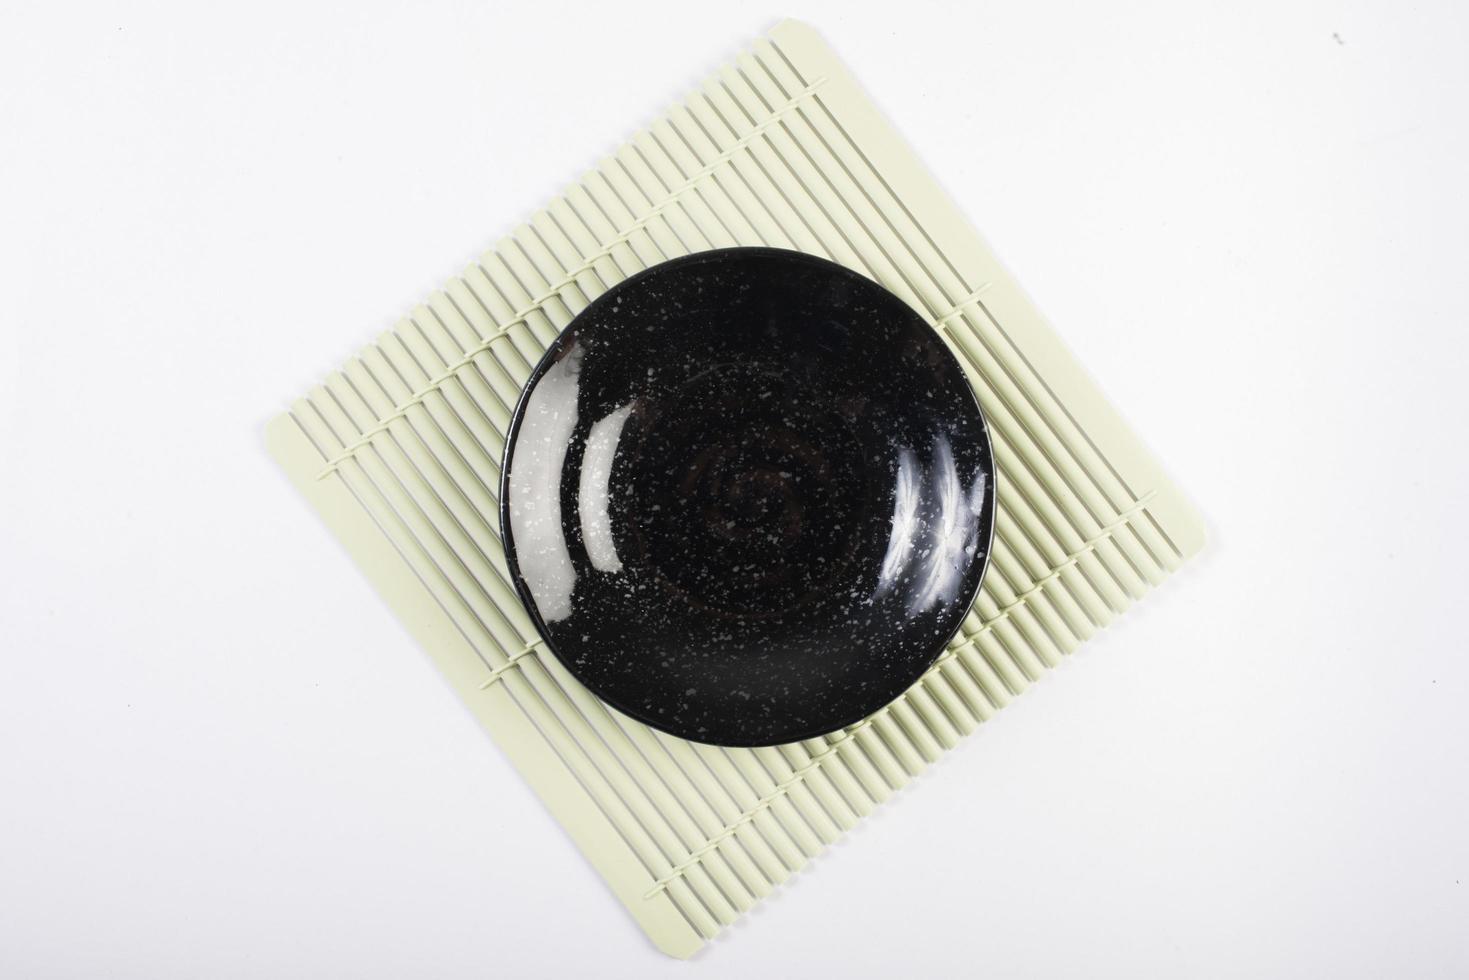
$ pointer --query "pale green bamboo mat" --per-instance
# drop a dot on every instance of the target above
(399, 451)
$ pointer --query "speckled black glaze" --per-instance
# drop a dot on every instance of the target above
(747, 496)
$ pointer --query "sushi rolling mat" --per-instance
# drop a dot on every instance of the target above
(399, 451)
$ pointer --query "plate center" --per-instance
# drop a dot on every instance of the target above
(743, 491)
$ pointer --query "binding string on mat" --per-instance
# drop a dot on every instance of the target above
(529, 650)
(962, 306)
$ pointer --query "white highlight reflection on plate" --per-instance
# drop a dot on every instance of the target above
(935, 529)
(535, 516)
(591, 493)
(907, 497)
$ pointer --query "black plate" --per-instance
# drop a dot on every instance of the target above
(747, 496)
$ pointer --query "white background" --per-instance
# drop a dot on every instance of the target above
(221, 756)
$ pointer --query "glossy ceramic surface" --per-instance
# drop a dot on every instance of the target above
(747, 496)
